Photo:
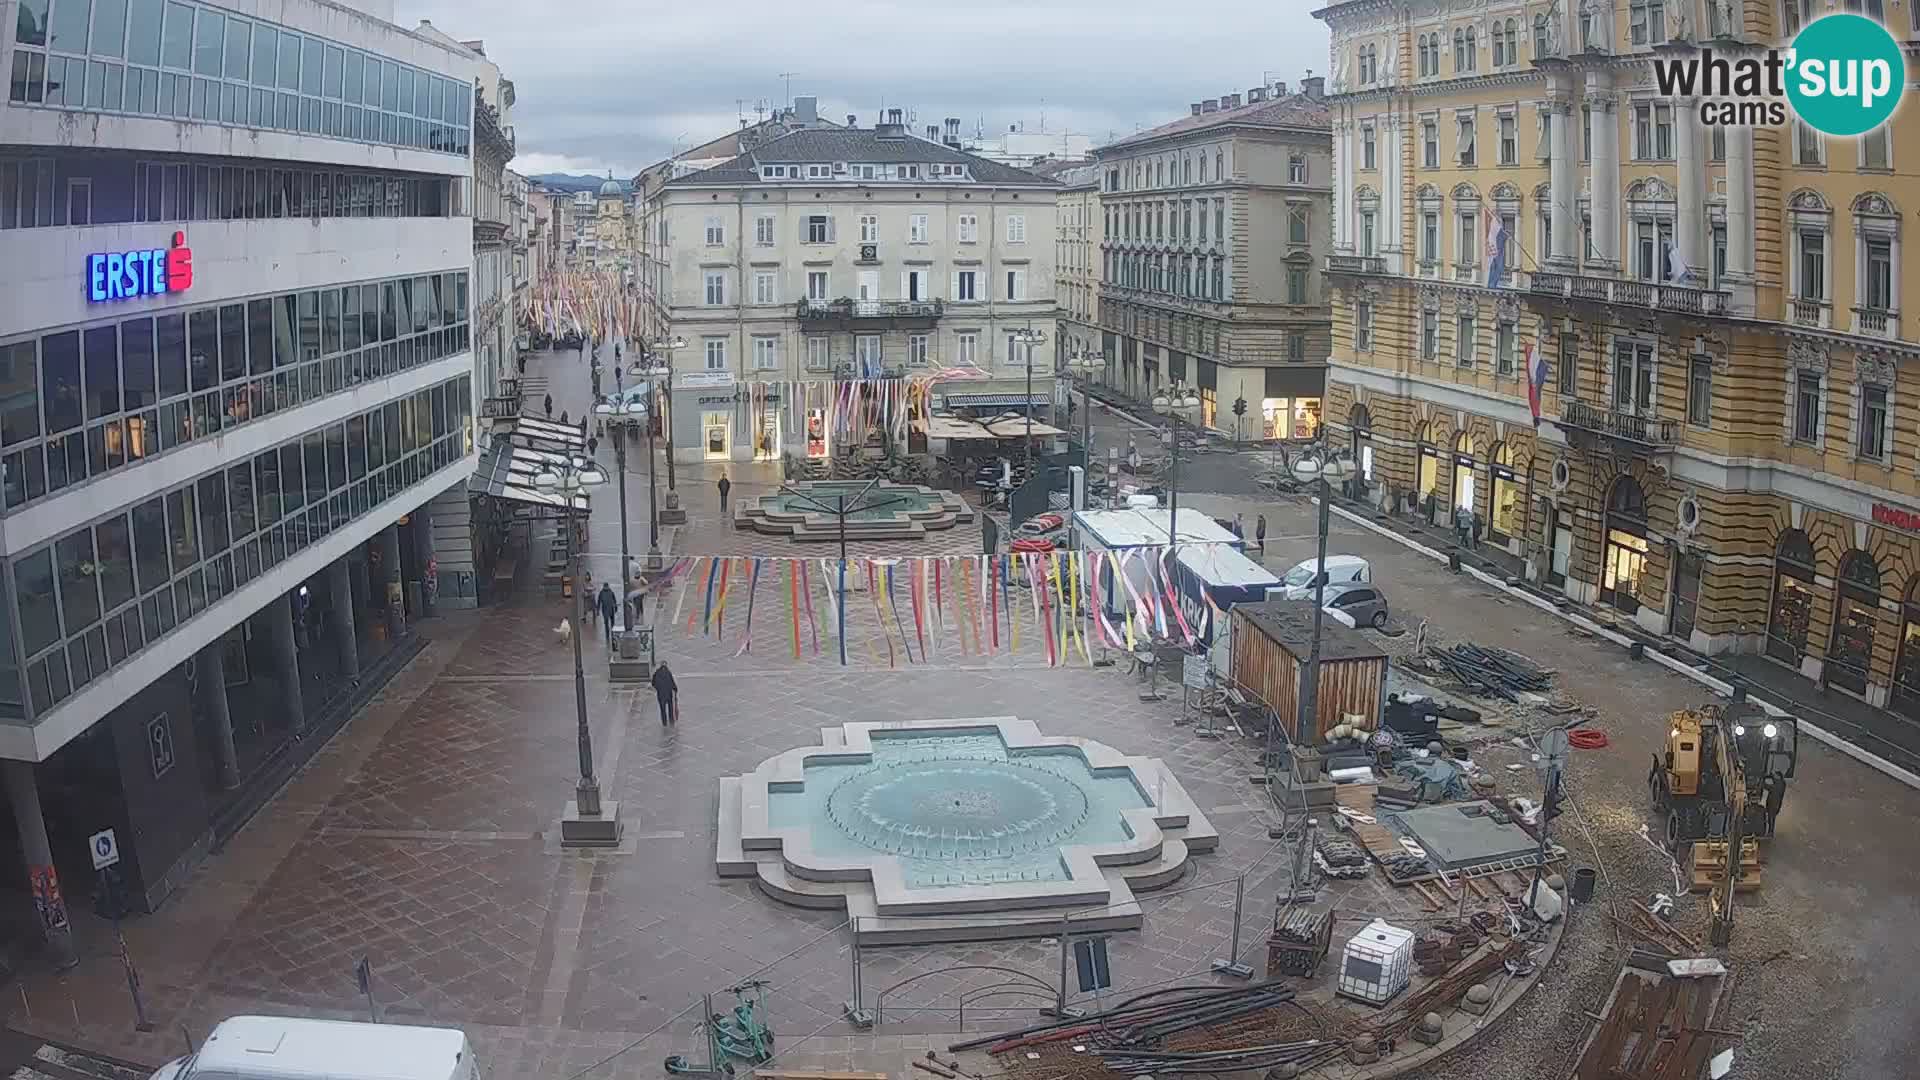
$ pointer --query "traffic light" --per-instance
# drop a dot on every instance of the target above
(1239, 406)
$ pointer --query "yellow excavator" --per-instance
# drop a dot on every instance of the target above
(1721, 783)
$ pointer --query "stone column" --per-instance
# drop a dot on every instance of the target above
(388, 574)
(210, 668)
(1562, 183)
(340, 621)
(1690, 217)
(1390, 194)
(286, 660)
(43, 881)
(1342, 189)
(1606, 173)
(1740, 204)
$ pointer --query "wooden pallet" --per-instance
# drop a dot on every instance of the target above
(1379, 841)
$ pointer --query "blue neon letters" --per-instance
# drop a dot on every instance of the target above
(125, 275)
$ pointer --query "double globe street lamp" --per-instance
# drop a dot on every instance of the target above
(1172, 403)
(1083, 364)
(586, 822)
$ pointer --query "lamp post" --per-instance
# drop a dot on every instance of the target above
(661, 350)
(620, 415)
(652, 411)
(1029, 337)
(586, 822)
(1085, 363)
(1170, 403)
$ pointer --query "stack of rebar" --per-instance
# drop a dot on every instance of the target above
(1302, 926)
(1305, 1054)
(1493, 672)
(1135, 1032)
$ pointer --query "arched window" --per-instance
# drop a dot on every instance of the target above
(1856, 616)
(1463, 468)
(1539, 35)
(1473, 50)
(1791, 610)
(1427, 476)
(1459, 51)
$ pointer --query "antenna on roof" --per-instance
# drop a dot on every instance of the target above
(788, 76)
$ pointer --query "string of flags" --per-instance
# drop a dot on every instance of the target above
(941, 606)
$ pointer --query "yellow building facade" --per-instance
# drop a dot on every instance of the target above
(1728, 443)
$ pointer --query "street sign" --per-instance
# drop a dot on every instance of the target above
(1193, 671)
(104, 849)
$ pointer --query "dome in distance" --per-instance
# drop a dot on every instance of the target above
(611, 187)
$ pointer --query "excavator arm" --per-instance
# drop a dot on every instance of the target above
(1733, 776)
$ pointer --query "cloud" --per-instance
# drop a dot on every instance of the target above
(623, 85)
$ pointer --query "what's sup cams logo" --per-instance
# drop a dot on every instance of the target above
(1842, 75)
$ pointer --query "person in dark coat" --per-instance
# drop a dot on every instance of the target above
(607, 603)
(668, 693)
(726, 486)
(549, 405)
(1260, 534)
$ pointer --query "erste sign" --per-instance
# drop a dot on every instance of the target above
(124, 275)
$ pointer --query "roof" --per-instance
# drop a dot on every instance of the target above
(1115, 529)
(267, 1046)
(1218, 564)
(861, 145)
(1289, 624)
(507, 472)
(1293, 111)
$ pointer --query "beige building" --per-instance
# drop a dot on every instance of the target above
(832, 254)
(1726, 453)
(1079, 234)
(1215, 227)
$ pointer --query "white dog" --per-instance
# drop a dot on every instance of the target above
(565, 631)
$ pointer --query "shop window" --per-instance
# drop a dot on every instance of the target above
(1791, 610)
(1856, 616)
(1906, 669)
(1360, 428)
(1624, 557)
(1507, 489)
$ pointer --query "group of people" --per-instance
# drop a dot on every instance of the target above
(1259, 531)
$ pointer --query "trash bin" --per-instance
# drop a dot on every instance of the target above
(1583, 882)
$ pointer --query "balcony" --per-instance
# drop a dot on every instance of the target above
(875, 315)
(1467, 272)
(1356, 264)
(1638, 432)
(1677, 299)
(1810, 311)
(1876, 322)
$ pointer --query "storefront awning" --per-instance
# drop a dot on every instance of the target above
(952, 427)
(506, 472)
(536, 434)
(995, 401)
(1017, 428)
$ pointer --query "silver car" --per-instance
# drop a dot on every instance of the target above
(1363, 602)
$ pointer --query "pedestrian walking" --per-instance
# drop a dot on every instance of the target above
(726, 486)
(549, 405)
(607, 603)
(1260, 535)
(1239, 526)
(593, 445)
(521, 363)
(1463, 524)
(667, 692)
(563, 417)
(1133, 456)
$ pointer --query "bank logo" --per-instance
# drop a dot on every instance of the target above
(1842, 76)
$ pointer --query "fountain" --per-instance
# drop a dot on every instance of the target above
(886, 511)
(984, 823)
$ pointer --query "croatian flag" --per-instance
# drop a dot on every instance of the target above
(1536, 378)
(1496, 251)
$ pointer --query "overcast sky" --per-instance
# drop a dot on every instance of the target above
(620, 86)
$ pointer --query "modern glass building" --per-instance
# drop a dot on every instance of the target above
(234, 365)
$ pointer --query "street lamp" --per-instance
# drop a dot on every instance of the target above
(1085, 363)
(1029, 337)
(653, 412)
(662, 349)
(585, 822)
(1170, 403)
(619, 416)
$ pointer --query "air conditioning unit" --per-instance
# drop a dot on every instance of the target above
(839, 166)
(869, 252)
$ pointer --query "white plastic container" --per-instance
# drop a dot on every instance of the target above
(1377, 963)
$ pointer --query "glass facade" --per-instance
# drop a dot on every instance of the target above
(80, 402)
(188, 61)
(91, 599)
(97, 189)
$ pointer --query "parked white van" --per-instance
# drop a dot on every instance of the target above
(293, 1048)
(1298, 583)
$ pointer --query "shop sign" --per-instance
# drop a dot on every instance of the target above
(124, 275)
(704, 380)
(1895, 518)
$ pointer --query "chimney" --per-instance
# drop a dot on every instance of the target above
(1195, 107)
(1209, 105)
(933, 132)
(892, 128)
(1231, 101)
(852, 120)
(805, 111)
(1280, 88)
(1256, 95)
(1314, 87)
(893, 116)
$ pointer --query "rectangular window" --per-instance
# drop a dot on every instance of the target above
(1363, 326)
(1700, 392)
(1429, 335)
(1509, 141)
(763, 287)
(1296, 346)
(819, 354)
(1296, 285)
(766, 354)
(1633, 378)
(1298, 219)
(1569, 373)
(1430, 237)
(1468, 253)
(966, 285)
(1016, 228)
(917, 229)
(917, 350)
(817, 286)
(818, 228)
(716, 354)
(1809, 147)
(967, 349)
(1463, 341)
(1643, 132)
(1663, 132)
(1016, 285)
(1429, 144)
(969, 228)
(716, 288)
(869, 229)
(1464, 140)
(1878, 292)
(1873, 422)
(1505, 338)
(1873, 150)
(1367, 160)
(763, 230)
(1296, 168)
(716, 232)
(1806, 409)
(1813, 265)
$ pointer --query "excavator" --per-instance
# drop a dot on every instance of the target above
(1721, 783)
